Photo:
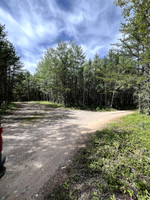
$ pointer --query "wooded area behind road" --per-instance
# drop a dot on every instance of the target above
(39, 139)
(63, 75)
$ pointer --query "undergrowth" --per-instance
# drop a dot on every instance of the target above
(73, 107)
(7, 108)
(48, 104)
(114, 165)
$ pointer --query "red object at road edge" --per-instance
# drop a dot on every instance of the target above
(1, 141)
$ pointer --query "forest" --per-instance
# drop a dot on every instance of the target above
(120, 80)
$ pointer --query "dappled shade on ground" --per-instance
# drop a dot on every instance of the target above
(38, 140)
(114, 165)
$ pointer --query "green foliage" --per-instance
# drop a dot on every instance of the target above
(119, 80)
(10, 68)
(136, 45)
(104, 109)
(63, 76)
(49, 104)
(6, 109)
(115, 164)
(60, 73)
(27, 88)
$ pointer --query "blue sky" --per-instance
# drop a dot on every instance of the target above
(35, 25)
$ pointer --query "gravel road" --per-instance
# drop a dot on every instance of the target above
(39, 140)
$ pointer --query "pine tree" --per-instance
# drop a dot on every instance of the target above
(135, 44)
(10, 66)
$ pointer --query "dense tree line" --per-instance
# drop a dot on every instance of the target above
(136, 45)
(10, 68)
(65, 76)
(15, 84)
(27, 88)
(122, 79)
(119, 80)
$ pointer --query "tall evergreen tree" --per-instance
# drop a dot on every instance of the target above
(10, 66)
(60, 73)
(136, 44)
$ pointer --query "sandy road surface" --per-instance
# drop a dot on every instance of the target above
(38, 140)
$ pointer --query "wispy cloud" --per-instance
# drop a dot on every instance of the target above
(35, 25)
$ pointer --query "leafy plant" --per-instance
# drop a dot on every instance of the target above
(115, 162)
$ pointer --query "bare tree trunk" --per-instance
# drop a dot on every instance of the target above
(140, 103)
(112, 99)
(105, 97)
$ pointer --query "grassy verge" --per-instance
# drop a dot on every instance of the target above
(28, 120)
(105, 109)
(6, 109)
(48, 104)
(115, 164)
(90, 108)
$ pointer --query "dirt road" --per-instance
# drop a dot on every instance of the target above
(38, 140)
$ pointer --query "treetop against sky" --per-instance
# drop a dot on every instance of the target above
(33, 26)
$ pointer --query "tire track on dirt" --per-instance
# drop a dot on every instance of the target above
(38, 140)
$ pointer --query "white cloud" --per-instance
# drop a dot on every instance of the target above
(30, 66)
(35, 25)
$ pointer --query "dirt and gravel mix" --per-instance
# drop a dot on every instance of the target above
(39, 140)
